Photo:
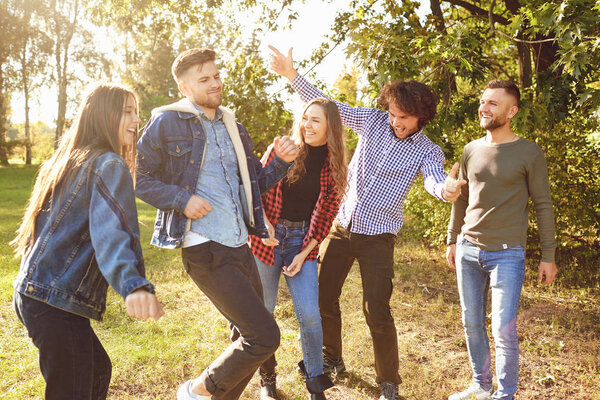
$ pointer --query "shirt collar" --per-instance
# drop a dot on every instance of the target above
(415, 137)
(218, 114)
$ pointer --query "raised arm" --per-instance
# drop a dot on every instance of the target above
(352, 117)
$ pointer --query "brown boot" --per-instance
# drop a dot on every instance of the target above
(268, 389)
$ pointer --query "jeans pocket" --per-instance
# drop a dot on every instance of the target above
(197, 258)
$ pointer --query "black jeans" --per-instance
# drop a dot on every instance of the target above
(73, 362)
(375, 255)
(229, 278)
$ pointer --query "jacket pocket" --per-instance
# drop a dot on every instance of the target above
(179, 151)
(93, 285)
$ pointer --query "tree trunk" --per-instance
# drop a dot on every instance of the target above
(524, 55)
(440, 24)
(27, 129)
(3, 120)
(63, 43)
(25, 83)
(544, 54)
(436, 10)
(62, 111)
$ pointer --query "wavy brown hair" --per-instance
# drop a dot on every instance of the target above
(336, 146)
(412, 97)
(95, 131)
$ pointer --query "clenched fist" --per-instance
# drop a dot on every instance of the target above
(285, 148)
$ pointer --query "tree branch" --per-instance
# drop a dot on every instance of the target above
(478, 11)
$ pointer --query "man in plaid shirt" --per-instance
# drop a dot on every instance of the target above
(391, 151)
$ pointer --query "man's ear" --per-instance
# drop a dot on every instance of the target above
(513, 111)
(183, 87)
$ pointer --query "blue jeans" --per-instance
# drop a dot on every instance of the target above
(73, 362)
(504, 271)
(304, 290)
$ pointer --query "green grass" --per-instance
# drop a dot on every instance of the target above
(559, 329)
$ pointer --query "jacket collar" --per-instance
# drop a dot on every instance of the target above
(186, 109)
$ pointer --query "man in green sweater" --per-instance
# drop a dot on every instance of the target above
(487, 238)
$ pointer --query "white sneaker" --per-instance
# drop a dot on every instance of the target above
(185, 393)
(473, 392)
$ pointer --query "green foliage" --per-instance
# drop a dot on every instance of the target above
(457, 51)
(161, 30)
(247, 92)
(560, 329)
(42, 142)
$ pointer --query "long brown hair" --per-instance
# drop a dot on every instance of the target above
(94, 132)
(336, 146)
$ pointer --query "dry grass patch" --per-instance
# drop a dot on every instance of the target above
(559, 330)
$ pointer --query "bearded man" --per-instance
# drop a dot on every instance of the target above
(487, 238)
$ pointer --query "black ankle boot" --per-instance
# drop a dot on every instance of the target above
(268, 386)
(317, 384)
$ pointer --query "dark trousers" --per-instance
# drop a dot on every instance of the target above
(375, 255)
(229, 278)
(73, 362)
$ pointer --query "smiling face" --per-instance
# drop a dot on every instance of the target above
(496, 109)
(402, 123)
(129, 122)
(202, 85)
(314, 126)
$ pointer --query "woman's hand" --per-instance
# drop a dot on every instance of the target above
(296, 264)
(143, 305)
(270, 241)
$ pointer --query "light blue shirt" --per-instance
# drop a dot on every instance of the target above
(219, 183)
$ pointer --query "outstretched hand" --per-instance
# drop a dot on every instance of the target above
(451, 189)
(283, 65)
(143, 305)
(285, 148)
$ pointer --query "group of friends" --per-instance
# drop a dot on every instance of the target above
(241, 222)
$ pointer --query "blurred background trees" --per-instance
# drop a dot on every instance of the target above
(550, 48)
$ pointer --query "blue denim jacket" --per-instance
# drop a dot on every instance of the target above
(87, 240)
(170, 157)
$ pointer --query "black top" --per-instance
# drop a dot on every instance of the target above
(299, 198)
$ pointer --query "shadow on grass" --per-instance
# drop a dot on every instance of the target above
(354, 381)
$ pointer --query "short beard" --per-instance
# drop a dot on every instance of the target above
(493, 124)
(210, 104)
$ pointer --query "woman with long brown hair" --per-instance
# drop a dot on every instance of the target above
(78, 235)
(301, 208)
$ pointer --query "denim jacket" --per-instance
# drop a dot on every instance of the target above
(88, 239)
(170, 157)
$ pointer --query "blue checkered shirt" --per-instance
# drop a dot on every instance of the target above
(382, 169)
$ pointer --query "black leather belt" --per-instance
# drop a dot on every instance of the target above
(292, 224)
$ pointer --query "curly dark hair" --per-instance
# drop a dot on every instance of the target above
(412, 97)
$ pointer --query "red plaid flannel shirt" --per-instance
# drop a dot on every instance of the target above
(322, 217)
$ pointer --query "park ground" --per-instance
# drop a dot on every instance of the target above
(559, 329)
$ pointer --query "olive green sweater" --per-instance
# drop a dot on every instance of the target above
(492, 211)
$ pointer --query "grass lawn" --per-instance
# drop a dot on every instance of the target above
(559, 329)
